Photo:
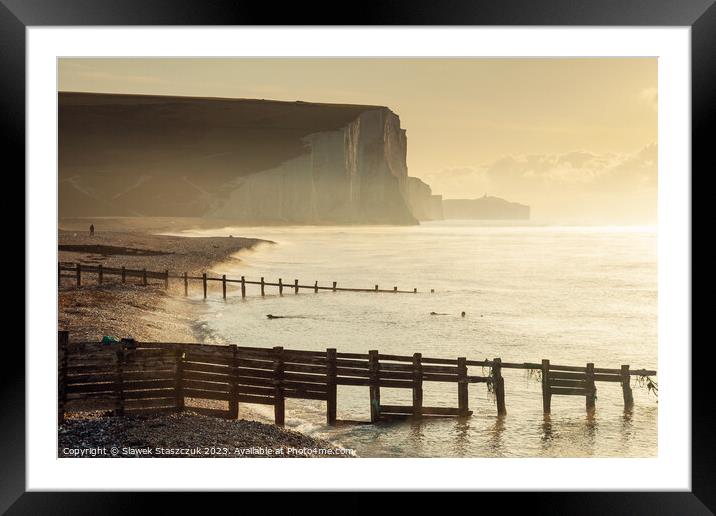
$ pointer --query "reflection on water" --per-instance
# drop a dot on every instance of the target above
(572, 295)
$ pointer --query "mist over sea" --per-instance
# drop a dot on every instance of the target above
(569, 294)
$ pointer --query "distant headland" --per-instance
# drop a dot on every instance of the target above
(249, 160)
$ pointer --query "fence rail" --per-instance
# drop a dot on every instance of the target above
(130, 377)
(78, 269)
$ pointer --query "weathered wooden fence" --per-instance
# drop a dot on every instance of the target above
(78, 269)
(130, 377)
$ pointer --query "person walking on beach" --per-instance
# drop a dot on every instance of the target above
(91, 229)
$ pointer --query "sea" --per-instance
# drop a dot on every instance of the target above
(570, 294)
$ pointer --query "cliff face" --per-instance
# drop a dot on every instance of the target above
(250, 160)
(423, 204)
(488, 208)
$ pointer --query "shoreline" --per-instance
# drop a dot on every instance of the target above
(149, 313)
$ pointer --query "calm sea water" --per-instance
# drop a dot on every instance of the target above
(570, 294)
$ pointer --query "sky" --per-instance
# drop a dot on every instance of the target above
(576, 139)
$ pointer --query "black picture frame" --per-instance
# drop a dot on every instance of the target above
(700, 15)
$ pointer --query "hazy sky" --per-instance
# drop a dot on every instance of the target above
(573, 138)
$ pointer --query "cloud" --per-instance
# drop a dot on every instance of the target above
(561, 183)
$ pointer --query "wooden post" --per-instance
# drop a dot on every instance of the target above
(233, 389)
(417, 385)
(144, 277)
(626, 388)
(546, 393)
(280, 287)
(166, 279)
(179, 384)
(334, 286)
(332, 392)
(315, 287)
(498, 383)
(462, 400)
(262, 286)
(203, 277)
(119, 382)
(63, 339)
(295, 286)
(373, 366)
(223, 285)
(591, 388)
(100, 274)
(79, 274)
(376, 288)
(395, 289)
(415, 291)
(279, 403)
(124, 274)
(243, 287)
(432, 291)
(186, 284)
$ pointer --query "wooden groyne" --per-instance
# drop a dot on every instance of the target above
(130, 377)
(77, 270)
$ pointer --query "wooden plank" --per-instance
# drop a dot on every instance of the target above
(148, 384)
(195, 367)
(207, 377)
(440, 369)
(152, 394)
(443, 378)
(90, 369)
(206, 358)
(109, 376)
(244, 372)
(394, 358)
(306, 368)
(358, 356)
(568, 383)
(305, 395)
(356, 364)
(90, 387)
(313, 378)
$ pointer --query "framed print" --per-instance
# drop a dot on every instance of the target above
(449, 246)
